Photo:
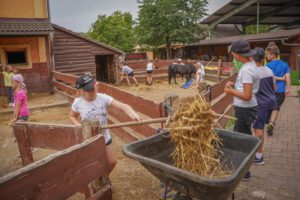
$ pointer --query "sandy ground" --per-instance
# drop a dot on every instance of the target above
(160, 88)
(129, 179)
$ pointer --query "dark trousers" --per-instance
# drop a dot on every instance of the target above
(245, 118)
(10, 94)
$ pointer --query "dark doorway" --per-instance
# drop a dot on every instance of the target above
(102, 73)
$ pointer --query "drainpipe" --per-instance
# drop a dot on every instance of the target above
(257, 17)
(48, 10)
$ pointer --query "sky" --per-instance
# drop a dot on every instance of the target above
(78, 15)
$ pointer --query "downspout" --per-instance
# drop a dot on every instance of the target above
(48, 10)
(257, 18)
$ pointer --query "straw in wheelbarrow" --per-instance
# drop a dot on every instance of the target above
(197, 146)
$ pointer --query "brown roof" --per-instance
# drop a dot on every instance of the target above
(276, 35)
(87, 39)
(25, 27)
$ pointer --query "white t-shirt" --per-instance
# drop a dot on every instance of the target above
(247, 74)
(94, 110)
(149, 66)
(126, 69)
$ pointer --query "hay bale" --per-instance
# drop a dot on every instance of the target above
(197, 146)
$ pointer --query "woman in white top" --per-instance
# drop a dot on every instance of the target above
(199, 75)
(93, 106)
(149, 69)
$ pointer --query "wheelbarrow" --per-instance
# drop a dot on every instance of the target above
(154, 154)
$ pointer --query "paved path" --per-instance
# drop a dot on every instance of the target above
(279, 178)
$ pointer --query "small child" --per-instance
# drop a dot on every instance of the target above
(7, 74)
(199, 76)
(266, 99)
(93, 106)
(21, 112)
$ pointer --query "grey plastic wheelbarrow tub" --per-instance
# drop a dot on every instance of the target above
(154, 154)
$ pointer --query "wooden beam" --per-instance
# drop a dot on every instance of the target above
(24, 143)
(50, 136)
(274, 11)
(65, 88)
(231, 13)
(65, 77)
(59, 175)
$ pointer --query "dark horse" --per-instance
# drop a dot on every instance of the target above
(184, 70)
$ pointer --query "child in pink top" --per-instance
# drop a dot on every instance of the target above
(21, 112)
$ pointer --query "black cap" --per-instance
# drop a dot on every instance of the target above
(259, 55)
(242, 47)
(85, 82)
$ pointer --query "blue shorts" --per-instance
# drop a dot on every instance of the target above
(262, 118)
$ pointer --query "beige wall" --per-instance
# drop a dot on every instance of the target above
(35, 49)
(23, 9)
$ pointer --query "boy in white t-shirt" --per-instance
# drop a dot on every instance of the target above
(93, 105)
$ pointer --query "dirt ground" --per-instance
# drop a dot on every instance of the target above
(160, 88)
(129, 179)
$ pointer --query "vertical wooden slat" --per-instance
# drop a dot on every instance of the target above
(24, 144)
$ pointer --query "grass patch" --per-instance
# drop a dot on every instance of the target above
(295, 78)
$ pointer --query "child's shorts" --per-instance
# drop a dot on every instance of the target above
(149, 71)
(131, 74)
(262, 118)
(23, 118)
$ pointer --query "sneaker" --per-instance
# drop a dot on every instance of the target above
(247, 177)
(270, 129)
(12, 105)
(259, 161)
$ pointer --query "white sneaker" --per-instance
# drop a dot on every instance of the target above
(12, 104)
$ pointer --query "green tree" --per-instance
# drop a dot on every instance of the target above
(169, 21)
(251, 29)
(116, 30)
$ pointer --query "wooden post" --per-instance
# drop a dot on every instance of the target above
(219, 69)
(24, 143)
(91, 128)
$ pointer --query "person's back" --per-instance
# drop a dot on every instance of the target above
(265, 95)
(280, 69)
(126, 69)
(247, 74)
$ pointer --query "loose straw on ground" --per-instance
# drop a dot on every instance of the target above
(197, 146)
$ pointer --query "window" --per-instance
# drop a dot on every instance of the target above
(16, 57)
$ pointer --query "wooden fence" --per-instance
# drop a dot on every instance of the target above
(80, 165)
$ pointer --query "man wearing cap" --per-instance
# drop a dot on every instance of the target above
(244, 90)
(93, 106)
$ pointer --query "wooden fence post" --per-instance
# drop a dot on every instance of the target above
(24, 143)
(219, 69)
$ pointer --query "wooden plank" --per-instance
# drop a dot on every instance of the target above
(65, 88)
(51, 136)
(65, 77)
(59, 175)
(24, 143)
(222, 103)
(218, 88)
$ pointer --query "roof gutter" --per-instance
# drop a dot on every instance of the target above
(289, 44)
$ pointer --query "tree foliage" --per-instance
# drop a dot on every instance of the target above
(169, 21)
(251, 29)
(116, 30)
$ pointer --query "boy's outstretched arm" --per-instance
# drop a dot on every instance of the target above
(126, 109)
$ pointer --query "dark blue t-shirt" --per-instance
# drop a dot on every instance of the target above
(266, 99)
(279, 68)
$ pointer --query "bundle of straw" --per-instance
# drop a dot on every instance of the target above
(197, 146)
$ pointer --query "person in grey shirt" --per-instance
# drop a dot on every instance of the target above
(129, 73)
(246, 85)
